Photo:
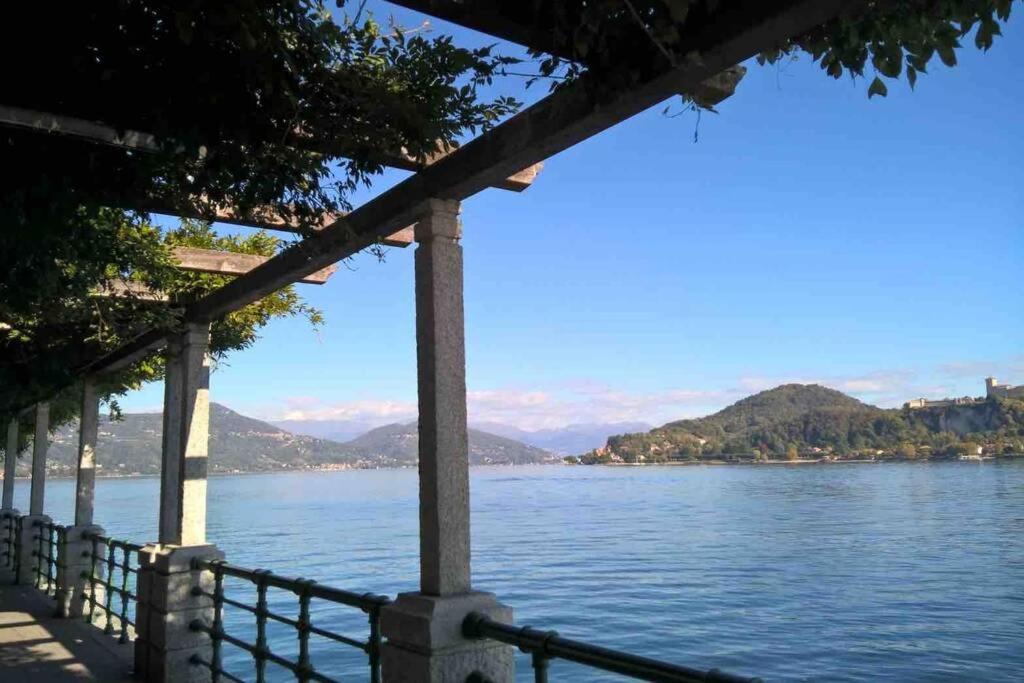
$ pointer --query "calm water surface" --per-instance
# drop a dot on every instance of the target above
(843, 573)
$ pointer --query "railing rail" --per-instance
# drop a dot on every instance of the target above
(543, 646)
(48, 537)
(8, 542)
(115, 578)
(306, 590)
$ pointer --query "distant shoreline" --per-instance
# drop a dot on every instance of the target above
(677, 463)
(802, 461)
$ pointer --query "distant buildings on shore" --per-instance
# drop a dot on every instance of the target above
(993, 389)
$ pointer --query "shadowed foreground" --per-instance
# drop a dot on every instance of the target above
(35, 646)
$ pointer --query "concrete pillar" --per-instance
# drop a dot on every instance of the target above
(186, 439)
(85, 486)
(10, 462)
(164, 644)
(424, 630)
(74, 567)
(39, 446)
(28, 549)
(74, 554)
(170, 450)
(8, 515)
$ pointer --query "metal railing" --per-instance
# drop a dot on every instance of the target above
(543, 646)
(107, 577)
(48, 538)
(8, 545)
(305, 590)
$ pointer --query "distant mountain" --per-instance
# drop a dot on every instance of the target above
(131, 446)
(568, 440)
(335, 430)
(797, 418)
(398, 443)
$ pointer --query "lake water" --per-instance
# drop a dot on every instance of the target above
(900, 572)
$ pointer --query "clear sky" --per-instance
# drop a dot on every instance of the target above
(809, 235)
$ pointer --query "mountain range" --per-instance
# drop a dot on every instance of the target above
(567, 440)
(131, 446)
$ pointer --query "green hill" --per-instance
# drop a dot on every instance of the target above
(397, 444)
(811, 419)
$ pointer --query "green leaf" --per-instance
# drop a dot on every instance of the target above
(877, 88)
(946, 54)
(911, 76)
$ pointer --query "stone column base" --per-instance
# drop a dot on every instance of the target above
(28, 547)
(164, 643)
(74, 567)
(425, 642)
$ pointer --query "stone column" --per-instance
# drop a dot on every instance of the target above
(28, 545)
(424, 630)
(74, 554)
(39, 446)
(10, 462)
(8, 515)
(164, 643)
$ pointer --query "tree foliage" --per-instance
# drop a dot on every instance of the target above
(251, 105)
(622, 41)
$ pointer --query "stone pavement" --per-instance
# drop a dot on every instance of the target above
(36, 647)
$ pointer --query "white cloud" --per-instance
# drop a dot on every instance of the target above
(590, 400)
(376, 411)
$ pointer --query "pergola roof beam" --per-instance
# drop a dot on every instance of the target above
(263, 219)
(60, 124)
(234, 263)
(739, 31)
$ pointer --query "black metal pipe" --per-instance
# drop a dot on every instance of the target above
(364, 601)
(549, 645)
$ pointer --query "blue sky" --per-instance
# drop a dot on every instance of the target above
(810, 235)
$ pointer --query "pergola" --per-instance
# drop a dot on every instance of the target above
(423, 630)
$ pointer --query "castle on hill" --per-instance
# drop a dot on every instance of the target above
(993, 389)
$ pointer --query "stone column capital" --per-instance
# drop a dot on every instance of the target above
(439, 218)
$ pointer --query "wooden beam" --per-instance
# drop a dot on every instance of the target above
(57, 124)
(127, 289)
(60, 124)
(233, 263)
(260, 218)
(742, 29)
(517, 182)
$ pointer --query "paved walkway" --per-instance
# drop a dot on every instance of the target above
(36, 647)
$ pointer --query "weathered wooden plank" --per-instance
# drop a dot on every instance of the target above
(557, 122)
(517, 182)
(58, 124)
(233, 263)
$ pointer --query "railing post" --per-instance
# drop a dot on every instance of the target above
(29, 559)
(74, 586)
(423, 630)
(164, 643)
